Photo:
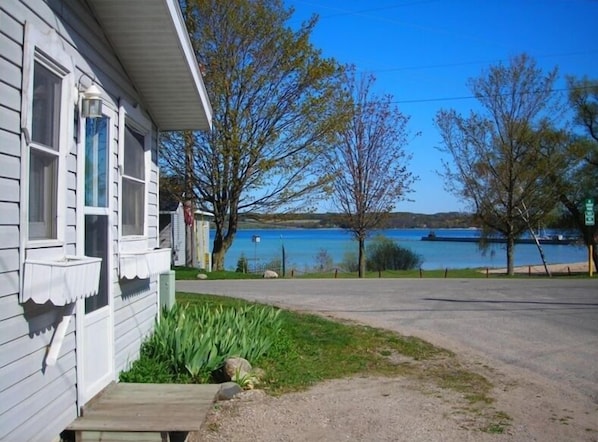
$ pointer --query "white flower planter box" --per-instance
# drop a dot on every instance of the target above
(145, 263)
(61, 282)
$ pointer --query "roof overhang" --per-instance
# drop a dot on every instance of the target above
(152, 43)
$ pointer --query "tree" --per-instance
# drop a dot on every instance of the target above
(577, 181)
(499, 159)
(274, 102)
(369, 162)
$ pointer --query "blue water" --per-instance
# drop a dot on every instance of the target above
(302, 246)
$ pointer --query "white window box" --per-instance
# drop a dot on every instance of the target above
(62, 281)
(144, 264)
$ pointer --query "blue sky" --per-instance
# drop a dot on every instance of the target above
(423, 52)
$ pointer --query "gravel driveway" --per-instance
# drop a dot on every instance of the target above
(536, 340)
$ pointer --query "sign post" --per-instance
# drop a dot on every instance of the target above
(589, 221)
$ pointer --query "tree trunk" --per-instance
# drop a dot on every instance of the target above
(361, 257)
(510, 254)
(221, 245)
(218, 260)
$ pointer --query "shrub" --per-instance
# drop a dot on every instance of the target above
(323, 260)
(350, 262)
(384, 254)
(242, 264)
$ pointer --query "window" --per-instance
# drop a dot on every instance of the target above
(96, 162)
(44, 153)
(133, 183)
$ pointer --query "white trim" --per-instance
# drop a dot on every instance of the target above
(189, 54)
(47, 49)
(131, 115)
(86, 392)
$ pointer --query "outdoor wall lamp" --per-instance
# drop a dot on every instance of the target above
(91, 103)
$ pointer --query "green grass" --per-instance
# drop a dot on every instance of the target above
(190, 273)
(310, 348)
(450, 273)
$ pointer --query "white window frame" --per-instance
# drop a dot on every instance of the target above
(131, 116)
(47, 49)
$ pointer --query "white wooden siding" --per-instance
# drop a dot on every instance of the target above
(134, 317)
(37, 402)
(9, 281)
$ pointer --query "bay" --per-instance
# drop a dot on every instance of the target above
(302, 245)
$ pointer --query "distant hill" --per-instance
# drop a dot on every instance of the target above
(397, 220)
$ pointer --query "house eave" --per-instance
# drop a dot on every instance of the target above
(152, 43)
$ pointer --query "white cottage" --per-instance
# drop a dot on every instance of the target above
(79, 262)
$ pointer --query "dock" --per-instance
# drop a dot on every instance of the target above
(144, 412)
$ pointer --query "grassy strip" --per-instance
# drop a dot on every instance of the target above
(190, 273)
(310, 348)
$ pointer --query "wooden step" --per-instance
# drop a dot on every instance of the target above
(148, 412)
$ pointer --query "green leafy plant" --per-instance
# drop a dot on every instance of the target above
(195, 340)
(247, 381)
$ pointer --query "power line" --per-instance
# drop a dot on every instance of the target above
(470, 97)
(470, 63)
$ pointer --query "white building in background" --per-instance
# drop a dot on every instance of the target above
(203, 256)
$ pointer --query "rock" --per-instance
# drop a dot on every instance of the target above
(202, 276)
(270, 274)
(228, 390)
(236, 368)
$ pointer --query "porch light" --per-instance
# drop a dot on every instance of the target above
(91, 104)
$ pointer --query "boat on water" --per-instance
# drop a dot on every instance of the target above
(545, 240)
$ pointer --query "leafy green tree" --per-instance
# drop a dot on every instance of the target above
(577, 181)
(500, 157)
(369, 162)
(275, 101)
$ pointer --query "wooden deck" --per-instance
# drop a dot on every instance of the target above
(124, 409)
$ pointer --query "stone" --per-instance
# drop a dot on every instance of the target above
(228, 390)
(202, 276)
(270, 274)
(236, 368)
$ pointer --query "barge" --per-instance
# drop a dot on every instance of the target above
(543, 240)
